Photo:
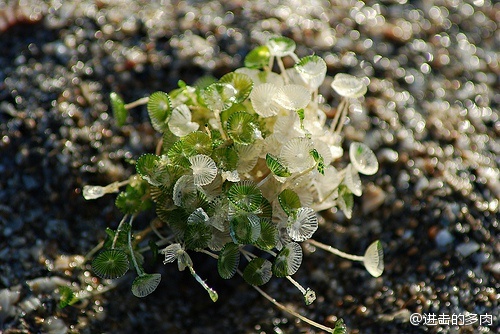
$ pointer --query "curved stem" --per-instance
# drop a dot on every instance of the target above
(137, 103)
(215, 256)
(219, 124)
(94, 250)
(296, 284)
(159, 146)
(139, 271)
(270, 65)
(296, 176)
(118, 230)
(264, 180)
(283, 70)
(340, 110)
(292, 312)
(249, 256)
(342, 119)
(335, 251)
(115, 186)
(159, 243)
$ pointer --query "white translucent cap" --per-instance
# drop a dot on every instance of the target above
(171, 252)
(262, 100)
(363, 159)
(303, 225)
(93, 192)
(374, 259)
(293, 97)
(313, 70)
(204, 169)
(296, 155)
(180, 121)
(348, 85)
(281, 46)
(352, 180)
(145, 284)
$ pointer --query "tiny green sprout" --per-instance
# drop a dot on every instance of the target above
(258, 58)
(242, 169)
(309, 296)
(67, 297)
(118, 108)
(340, 327)
(320, 162)
(159, 109)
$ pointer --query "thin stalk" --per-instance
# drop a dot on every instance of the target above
(249, 256)
(118, 230)
(270, 65)
(219, 124)
(155, 230)
(94, 250)
(159, 146)
(159, 243)
(342, 120)
(137, 103)
(340, 110)
(212, 293)
(271, 253)
(264, 180)
(292, 312)
(335, 251)
(115, 186)
(297, 284)
(139, 271)
(315, 99)
(296, 176)
(282, 69)
(215, 256)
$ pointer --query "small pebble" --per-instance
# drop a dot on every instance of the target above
(443, 238)
(466, 249)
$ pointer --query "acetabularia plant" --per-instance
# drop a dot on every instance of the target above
(243, 167)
